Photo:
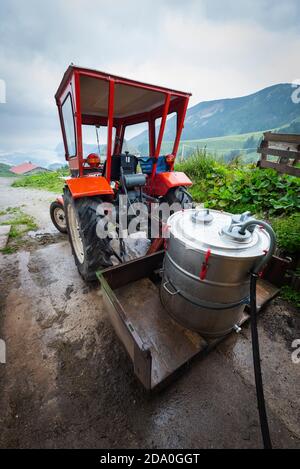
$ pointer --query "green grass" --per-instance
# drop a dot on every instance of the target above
(48, 181)
(287, 230)
(20, 223)
(225, 147)
(237, 188)
(290, 294)
(9, 210)
(8, 250)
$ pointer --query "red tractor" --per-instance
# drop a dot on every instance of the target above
(88, 99)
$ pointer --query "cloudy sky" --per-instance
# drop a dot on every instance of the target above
(213, 48)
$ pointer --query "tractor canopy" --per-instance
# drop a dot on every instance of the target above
(92, 98)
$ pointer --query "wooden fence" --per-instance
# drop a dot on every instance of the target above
(280, 152)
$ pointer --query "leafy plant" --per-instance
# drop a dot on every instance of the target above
(287, 231)
(238, 188)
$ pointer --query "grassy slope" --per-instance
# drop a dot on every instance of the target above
(229, 142)
(4, 171)
(219, 146)
(49, 181)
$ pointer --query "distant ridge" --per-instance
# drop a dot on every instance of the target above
(269, 108)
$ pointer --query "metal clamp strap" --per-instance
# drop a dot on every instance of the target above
(168, 291)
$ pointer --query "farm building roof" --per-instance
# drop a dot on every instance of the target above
(23, 168)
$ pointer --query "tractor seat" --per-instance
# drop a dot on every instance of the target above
(128, 163)
(146, 164)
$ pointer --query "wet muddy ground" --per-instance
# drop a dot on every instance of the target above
(68, 383)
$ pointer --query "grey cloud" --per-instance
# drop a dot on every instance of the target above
(148, 40)
(272, 14)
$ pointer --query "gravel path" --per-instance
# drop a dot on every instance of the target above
(35, 202)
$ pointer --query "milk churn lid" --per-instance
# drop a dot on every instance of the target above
(202, 216)
(202, 229)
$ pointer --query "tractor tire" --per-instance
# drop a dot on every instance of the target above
(58, 218)
(180, 196)
(91, 253)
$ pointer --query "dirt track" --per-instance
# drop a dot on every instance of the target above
(68, 383)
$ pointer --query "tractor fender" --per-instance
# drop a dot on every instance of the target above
(87, 186)
(163, 182)
(60, 200)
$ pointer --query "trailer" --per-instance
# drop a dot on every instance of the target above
(158, 347)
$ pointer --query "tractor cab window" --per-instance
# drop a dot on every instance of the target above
(94, 140)
(69, 126)
(136, 139)
(169, 133)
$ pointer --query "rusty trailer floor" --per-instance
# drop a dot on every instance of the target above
(170, 344)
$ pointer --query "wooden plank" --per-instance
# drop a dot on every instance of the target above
(281, 153)
(289, 138)
(265, 292)
(276, 269)
(281, 168)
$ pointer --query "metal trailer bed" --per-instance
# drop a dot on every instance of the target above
(157, 346)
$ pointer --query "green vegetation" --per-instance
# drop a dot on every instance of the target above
(236, 188)
(4, 171)
(20, 223)
(288, 293)
(227, 147)
(48, 181)
(288, 233)
(9, 210)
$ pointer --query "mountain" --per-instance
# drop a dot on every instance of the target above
(41, 157)
(4, 170)
(55, 166)
(266, 109)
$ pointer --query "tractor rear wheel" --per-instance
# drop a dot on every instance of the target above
(58, 218)
(91, 252)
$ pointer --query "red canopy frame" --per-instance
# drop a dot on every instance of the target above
(124, 99)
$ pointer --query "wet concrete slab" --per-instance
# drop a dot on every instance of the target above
(68, 382)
